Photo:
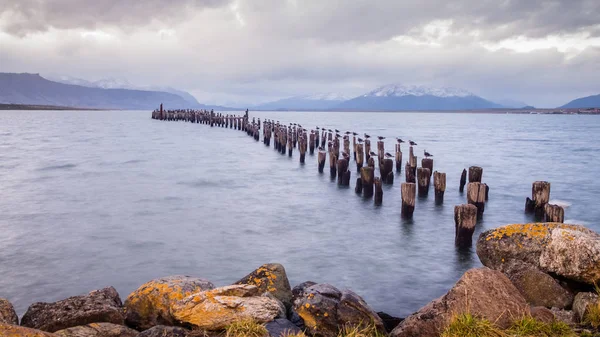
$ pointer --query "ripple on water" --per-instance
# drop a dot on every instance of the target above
(57, 167)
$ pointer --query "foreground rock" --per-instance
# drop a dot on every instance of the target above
(569, 251)
(149, 305)
(582, 302)
(325, 309)
(273, 279)
(7, 313)
(9, 330)
(217, 308)
(98, 306)
(97, 330)
(482, 292)
(539, 288)
(170, 331)
(282, 327)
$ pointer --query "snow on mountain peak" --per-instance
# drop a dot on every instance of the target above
(330, 96)
(398, 90)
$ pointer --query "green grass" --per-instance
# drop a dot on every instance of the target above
(530, 327)
(246, 328)
(360, 331)
(592, 316)
(467, 325)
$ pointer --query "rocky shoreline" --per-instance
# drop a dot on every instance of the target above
(543, 271)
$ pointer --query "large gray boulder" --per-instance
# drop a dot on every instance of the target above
(102, 305)
(150, 304)
(582, 302)
(325, 310)
(11, 330)
(568, 251)
(7, 313)
(483, 292)
(539, 288)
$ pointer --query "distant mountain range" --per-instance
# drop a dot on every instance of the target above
(584, 102)
(309, 102)
(33, 89)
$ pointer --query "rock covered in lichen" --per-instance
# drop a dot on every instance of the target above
(10, 330)
(582, 303)
(7, 313)
(97, 330)
(102, 305)
(150, 304)
(539, 288)
(271, 278)
(325, 309)
(569, 251)
(483, 292)
(215, 309)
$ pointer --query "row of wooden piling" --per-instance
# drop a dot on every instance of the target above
(286, 138)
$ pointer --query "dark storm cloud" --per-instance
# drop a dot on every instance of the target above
(27, 16)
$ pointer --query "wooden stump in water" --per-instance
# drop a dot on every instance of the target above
(311, 143)
(540, 196)
(367, 175)
(359, 157)
(346, 178)
(354, 146)
(380, 152)
(487, 192)
(378, 192)
(321, 160)
(427, 163)
(390, 178)
(463, 181)
(358, 188)
(410, 173)
(554, 213)
(439, 186)
(371, 162)
(409, 192)
(386, 168)
(412, 159)
(347, 145)
(342, 167)
(332, 164)
(367, 149)
(302, 148)
(398, 158)
(475, 174)
(476, 196)
(465, 219)
(423, 178)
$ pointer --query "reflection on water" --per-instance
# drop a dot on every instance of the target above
(91, 199)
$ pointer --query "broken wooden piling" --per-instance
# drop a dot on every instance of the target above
(554, 213)
(463, 181)
(439, 186)
(423, 179)
(410, 173)
(367, 177)
(476, 196)
(465, 219)
(398, 157)
(378, 199)
(359, 157)
(540, 196)
(321, 160)
(475, 174)
(409, 191)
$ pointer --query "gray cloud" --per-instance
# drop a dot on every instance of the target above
(247, 50)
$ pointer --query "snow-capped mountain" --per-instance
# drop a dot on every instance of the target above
(322, 101)
(397, 90)
(396, 97)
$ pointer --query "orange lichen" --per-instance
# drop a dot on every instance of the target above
(534, 231)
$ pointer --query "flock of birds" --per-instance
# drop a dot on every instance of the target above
(366, 136)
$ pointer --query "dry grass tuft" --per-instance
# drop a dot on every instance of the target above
(246, 328)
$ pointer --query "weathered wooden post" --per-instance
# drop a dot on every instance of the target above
(412, 159)
(332, 164)
(410, 173)
(321, 160)
(427, 163)
(409, 192)
(347, 145)
(367, 175)
(358, 188)
(311, 143)
(398, 158)
(290, 144)
(387, 171)
(475, 174)
(439, 185)
(380, 153)
(302, 148)
(359, 157)
(423, 178)
(367, 149)
(354, 146)
(476, 196)
(347, 176)
(465, 219)
(554, 213)
(378, 192)
(342, 168)
(463, 181)
(371, 162)
(317, 138)
(540, 196)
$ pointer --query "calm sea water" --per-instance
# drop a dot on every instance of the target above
(92, 199)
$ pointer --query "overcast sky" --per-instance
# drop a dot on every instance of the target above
(544, 53)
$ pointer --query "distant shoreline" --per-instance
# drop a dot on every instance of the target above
(40, 107)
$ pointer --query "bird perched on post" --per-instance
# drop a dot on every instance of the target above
(400, 141)
(367, 136)
(412, 143)
(360, 140)
(388, 155)
(380, 138)
(427, 154)
(354, 134)
(373, 154)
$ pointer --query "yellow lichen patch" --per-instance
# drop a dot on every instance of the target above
(307, 316)
(8, 330)
(534, 231)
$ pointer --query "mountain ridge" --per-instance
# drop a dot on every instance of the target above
(592, 101)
